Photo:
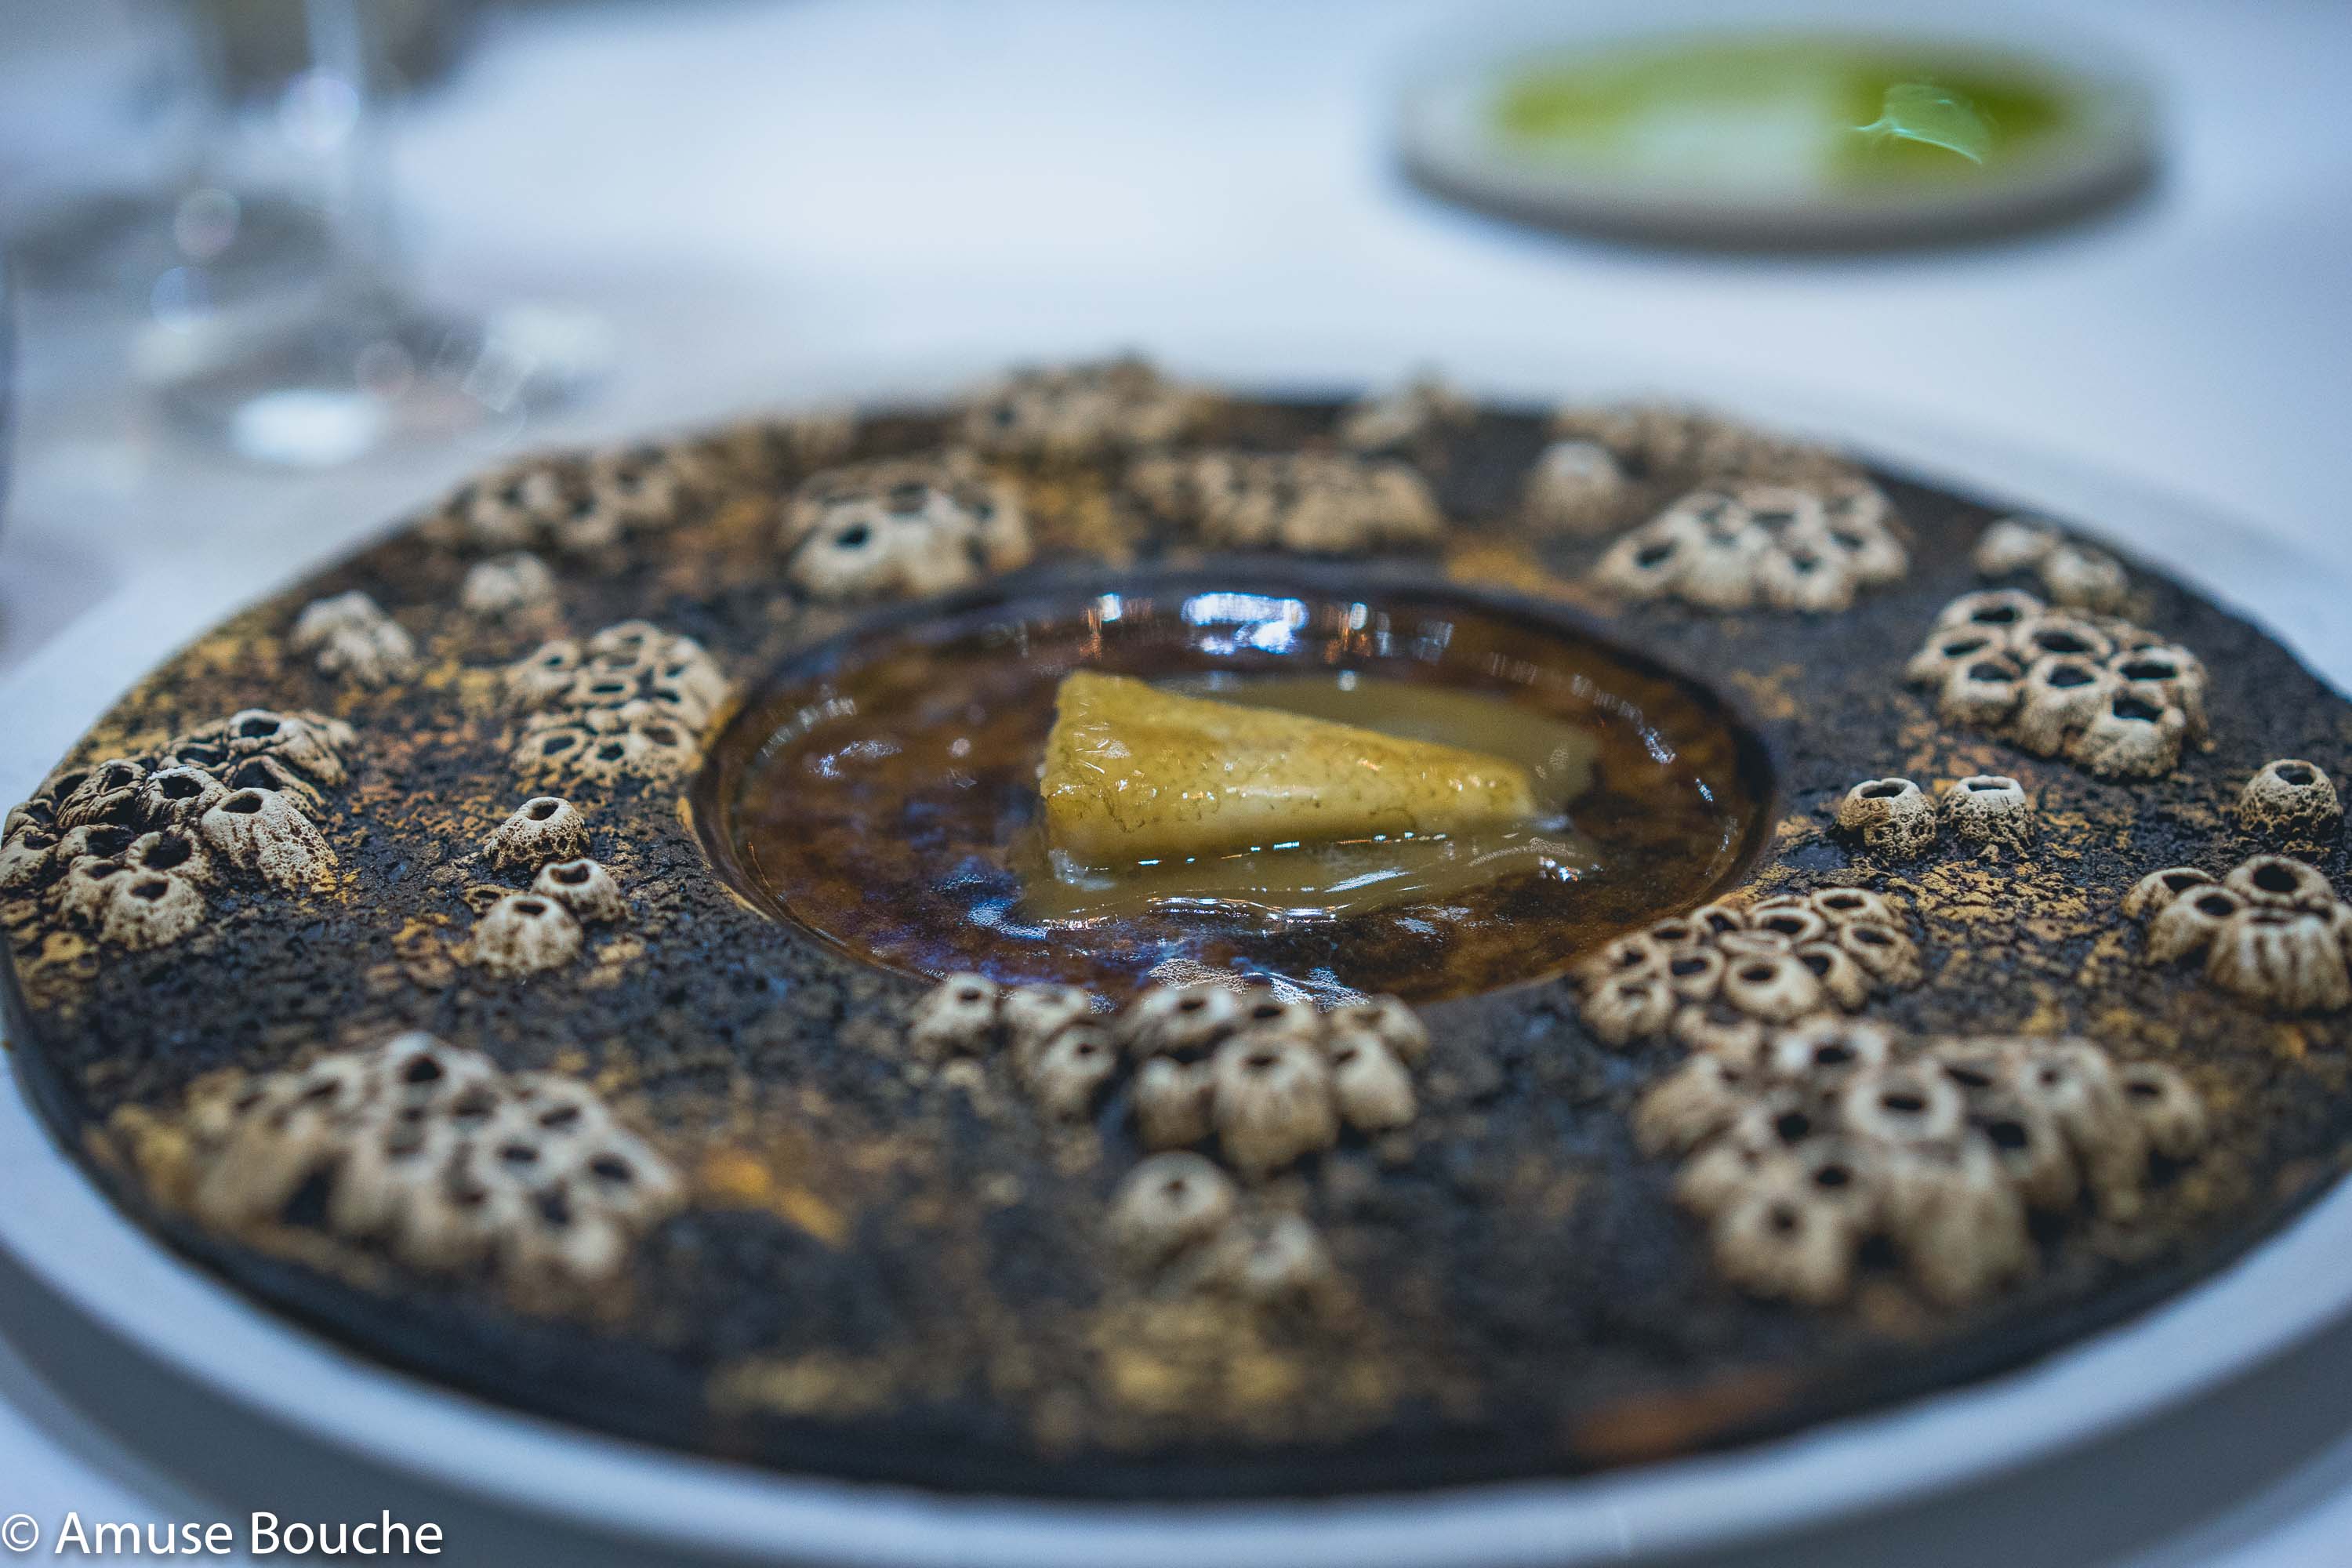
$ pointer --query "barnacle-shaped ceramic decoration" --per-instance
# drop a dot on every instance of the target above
(350, 636)
(585, 888)
(630, 702)
(1990, 811)
(1313, 503)
(265, 834)
(1809, 548)
(506, 584)
(1395, 420)
(545, 926)
(1271, 1100)
(1269, 1080)
(1575, 487)
(526, 933)
(2108, 696)
(1677, 441)
(2273, 932)
(576, 503)
(2290, 802)
(1167, 1205)
(1892, 819)
(901, 526)
(1182, 1226)
(2077, 575)
(128, 847)
(1610, 465)
(1052, 1035)
(312, 744)
(543, 830)
(508, 508)
(957, 1018)
(179, 794)
(1078, 411)
(771, 450)
(641, 488)
(1835, 1134)
(1720, 979)
(431, 1154)
(134, 908)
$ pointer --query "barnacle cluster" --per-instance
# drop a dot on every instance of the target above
(2271, 931)
(1810, 548)
(129, 848)
(2108, 696)
(1323, 503)
(1893, 819)
(349, 636)
(1264, 1081)
(1068, 412)
(577, 503)
(904, 526)
(1833, 1134)
(1606, 461)
(769, 450)
(1182, 1222)
(631, 702)
(2077, 575)
(431, 1153)
(1659, 440)
(1719, 978)
(544, 926)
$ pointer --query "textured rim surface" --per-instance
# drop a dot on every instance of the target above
(1940, 1460)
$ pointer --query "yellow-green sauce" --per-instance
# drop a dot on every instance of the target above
(1791, 112)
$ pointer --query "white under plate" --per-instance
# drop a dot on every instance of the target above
(61, 1229)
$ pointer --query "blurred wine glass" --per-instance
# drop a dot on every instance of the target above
(162, 209)
(353, 361)
(7, 382)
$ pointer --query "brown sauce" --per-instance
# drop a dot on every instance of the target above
(883, 795)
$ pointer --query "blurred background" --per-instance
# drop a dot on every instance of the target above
(279, 270)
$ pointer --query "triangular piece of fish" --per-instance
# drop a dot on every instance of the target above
(1132, 772)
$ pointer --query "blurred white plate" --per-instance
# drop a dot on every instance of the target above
(1691, 176)
(59, 1227)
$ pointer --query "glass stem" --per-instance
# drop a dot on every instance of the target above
(201, 66)
(352, 176)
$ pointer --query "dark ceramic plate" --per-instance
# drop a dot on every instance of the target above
(876, 1267)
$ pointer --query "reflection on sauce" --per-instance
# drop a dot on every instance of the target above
(1294, 873)
(884, 796)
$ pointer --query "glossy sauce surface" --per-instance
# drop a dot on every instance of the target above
(883, 795)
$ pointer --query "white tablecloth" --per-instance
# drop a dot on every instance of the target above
(767, 200)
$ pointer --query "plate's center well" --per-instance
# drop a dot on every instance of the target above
(1393, 791)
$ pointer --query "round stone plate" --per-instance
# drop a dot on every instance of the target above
(59, 1226)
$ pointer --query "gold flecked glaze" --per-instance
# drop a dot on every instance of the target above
(890, 1267)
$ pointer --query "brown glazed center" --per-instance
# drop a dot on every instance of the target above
(881, 791)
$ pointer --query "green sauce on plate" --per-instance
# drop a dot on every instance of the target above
(1815, 113)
